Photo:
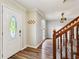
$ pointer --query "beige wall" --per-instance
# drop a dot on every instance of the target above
(31, 29)
(34, 30)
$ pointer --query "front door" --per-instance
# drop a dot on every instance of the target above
(11, 32)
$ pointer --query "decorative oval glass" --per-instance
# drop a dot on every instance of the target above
(13, 26)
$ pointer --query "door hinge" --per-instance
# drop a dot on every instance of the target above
(2, 33)
(2, 55)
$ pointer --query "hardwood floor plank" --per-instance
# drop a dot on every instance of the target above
(43, 52)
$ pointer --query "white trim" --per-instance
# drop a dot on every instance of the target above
(24, 48)
(36, 45)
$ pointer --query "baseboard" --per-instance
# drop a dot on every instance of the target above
(48, 38)
(36, 45)
(32, 46)
(39, 44)
(24, 48)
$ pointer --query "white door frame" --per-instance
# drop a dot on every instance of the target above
(1, 31)
(5, 41)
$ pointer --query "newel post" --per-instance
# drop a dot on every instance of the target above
(54, 44)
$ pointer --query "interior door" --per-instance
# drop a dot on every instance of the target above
(11, 32)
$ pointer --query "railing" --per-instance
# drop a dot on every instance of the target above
(64, 39)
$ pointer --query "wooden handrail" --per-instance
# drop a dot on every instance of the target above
(62, 31)
(67, 27)
(68, 24)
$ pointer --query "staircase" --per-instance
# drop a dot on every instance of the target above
(66, 41)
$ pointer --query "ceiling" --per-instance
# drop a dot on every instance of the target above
(53, 8)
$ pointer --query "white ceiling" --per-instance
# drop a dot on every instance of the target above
(53, 8)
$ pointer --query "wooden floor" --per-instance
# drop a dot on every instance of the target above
(44, 52)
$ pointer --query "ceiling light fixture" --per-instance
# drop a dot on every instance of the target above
(63, 18)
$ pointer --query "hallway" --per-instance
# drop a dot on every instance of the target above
(30, 53)
(25, 24)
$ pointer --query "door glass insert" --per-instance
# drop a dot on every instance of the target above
(13, 26)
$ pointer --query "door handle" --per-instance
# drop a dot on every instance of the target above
(19, 32)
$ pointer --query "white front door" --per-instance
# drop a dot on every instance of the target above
(11, 32)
